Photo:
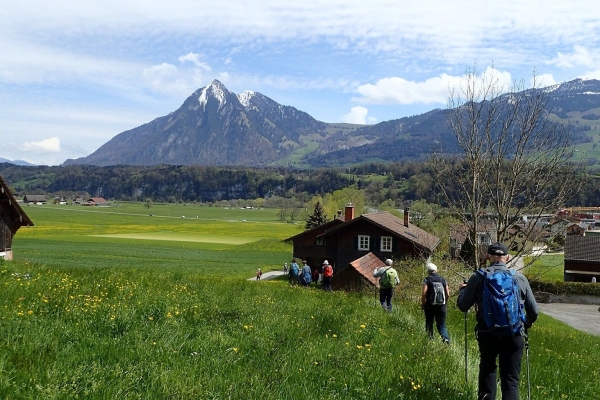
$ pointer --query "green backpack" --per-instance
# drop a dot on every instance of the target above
(389, 278)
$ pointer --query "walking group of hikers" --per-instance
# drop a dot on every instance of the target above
(505, 310)
(305, 275)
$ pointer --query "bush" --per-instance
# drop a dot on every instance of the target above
(562, 288)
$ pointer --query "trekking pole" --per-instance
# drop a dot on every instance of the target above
(466, 347)
(527, 361)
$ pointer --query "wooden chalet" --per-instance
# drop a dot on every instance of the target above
(12, 217)
(346, 240)
(582, 258)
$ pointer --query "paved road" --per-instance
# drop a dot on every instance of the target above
(268, 275)
(584, 317)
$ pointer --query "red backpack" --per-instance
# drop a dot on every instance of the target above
(327, 271)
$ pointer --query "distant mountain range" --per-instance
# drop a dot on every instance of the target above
(15, 162)
(217, 127)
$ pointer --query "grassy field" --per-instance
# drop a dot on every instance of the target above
(92, 317)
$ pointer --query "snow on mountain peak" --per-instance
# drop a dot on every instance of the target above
(245, 98)
(217, 90)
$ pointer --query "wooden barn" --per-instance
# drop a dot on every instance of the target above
(582, 258)
(358, 275)
(12, 217)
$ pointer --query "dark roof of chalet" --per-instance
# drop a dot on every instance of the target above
(35, 197)
(395, 226)
(582, 248)
(10, 207)
(325, 227)
(366, 265)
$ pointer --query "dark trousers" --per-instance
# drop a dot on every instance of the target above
(439, 314)
(509, 350)
(385, 298)
(327, 283)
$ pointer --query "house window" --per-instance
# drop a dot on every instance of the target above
(386, 243)
(364, 242)
(320, 242)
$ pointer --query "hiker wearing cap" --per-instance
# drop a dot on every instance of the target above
(388, 279)
(327, 275)
(434, 297)
(499, 333)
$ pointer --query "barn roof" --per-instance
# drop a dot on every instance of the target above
(582, 248)
(12, 209)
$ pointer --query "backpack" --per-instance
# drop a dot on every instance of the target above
(389, 278)
(294, 269)
(437, 296)
(328, 271)
(502, 308)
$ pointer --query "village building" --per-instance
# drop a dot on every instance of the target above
(95, 201)
(12, 217)
(34, 199)
(345, 240)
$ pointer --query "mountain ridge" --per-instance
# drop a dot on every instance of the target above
(214, 126)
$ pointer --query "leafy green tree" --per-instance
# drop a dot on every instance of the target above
(317, 218)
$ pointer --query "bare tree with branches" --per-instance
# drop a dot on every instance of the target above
(513, 166)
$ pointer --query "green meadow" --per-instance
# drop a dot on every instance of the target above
(112, 303)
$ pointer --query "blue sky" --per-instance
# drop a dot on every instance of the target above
(75, 74)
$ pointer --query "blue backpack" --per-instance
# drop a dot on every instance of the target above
(502, 308)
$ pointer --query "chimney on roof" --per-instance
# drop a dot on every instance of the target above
(349, 212)
(406, 215)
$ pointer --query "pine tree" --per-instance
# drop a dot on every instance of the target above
(317, 218)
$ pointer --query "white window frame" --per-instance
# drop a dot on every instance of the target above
(320, 242)
(364, 242)
(386, 244)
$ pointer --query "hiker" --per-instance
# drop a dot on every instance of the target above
(285, 269)
(499, 331)
(315, 276)
(305, 274)
(388, 279)
(434, 297)
(258, 274)
(327, 275)
(294, 272)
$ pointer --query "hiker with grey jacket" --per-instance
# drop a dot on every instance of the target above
(388, 279)
(434, 297)
(501, 296)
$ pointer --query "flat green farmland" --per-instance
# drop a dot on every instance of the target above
(101, 237)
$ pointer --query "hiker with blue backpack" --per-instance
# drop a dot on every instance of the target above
(388, 279)
(294, 271)
(506, 308)
(434, 297)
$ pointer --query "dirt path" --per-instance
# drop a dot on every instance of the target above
(584, 317)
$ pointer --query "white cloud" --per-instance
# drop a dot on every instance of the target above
(195, 59)
(436, 90)
(543, 80)
(51, 145)
(358, 115)
(579, 57)
(168, 79)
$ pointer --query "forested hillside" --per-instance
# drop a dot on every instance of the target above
(380, 182)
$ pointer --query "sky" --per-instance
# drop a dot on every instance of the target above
(74, 74)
